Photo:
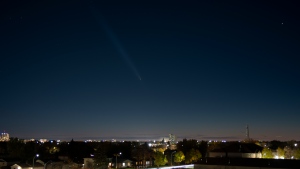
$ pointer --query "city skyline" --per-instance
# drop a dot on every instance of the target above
(152, 138)
(144, 69)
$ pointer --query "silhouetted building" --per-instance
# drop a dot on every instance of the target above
(236, 150)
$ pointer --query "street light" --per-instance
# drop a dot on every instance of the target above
(118, 154)
(46, 164)
(172, 156)
(37, 155)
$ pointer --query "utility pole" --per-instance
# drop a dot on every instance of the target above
(117, 155)
(172, 157)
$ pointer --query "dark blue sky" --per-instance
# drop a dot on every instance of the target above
(144, 69)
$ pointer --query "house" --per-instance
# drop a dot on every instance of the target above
(6, 163)
(62, 165)
(121, 163)
(3, 163)
(27, 166)
(88, 163)
(143, 164)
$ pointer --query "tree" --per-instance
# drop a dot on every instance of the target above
(296, 154)
(275, 144)
(100, 159)
(288, 153)
(159, 159)
(203, 145)
(186, 145)
(142, 153)
(280, 152)
(179, 157)
(14, 147)
(197, 155)
(160, 149)
(192, 156)
(267, 153)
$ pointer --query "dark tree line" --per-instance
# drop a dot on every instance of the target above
(74, 150)
(77, 150)
(186, 145)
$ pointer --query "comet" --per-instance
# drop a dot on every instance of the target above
(115, 41)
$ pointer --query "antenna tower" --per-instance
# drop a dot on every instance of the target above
(247, 133)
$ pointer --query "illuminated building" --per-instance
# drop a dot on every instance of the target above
(172, 139)
(4, 137)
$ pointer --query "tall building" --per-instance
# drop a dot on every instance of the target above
(4, 136)
(247, 133)
(172, 139)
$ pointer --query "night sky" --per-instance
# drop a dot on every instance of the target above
(140, 70)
